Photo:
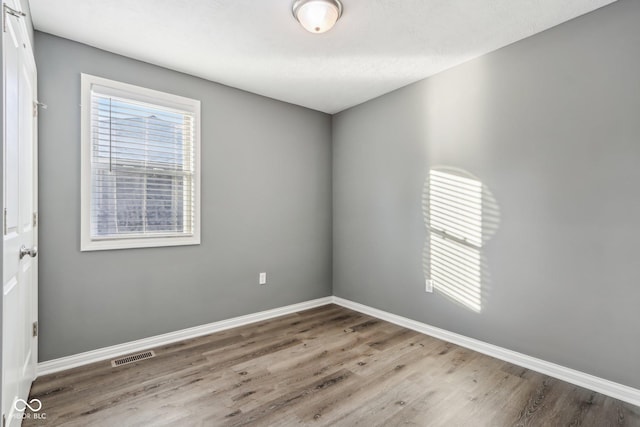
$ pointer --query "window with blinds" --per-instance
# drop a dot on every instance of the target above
(140, 167)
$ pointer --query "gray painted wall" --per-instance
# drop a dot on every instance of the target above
(266, 206)
(552, 126)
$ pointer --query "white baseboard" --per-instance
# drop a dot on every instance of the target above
(68, 362)
(600, 385)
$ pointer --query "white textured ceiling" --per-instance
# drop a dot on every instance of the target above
(256, 45)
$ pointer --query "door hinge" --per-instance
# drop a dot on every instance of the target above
(35, 219)
(6, 10)
(35, 329)
(35, 109)
(4, 221)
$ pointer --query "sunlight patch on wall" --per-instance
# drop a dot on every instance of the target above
(454, 207)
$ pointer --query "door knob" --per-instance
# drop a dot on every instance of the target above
(31, 252)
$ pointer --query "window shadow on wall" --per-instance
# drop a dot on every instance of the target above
(461, 215)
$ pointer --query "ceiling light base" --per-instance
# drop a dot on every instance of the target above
(317, 16)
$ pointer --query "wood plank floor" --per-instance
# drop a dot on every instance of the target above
(328, 366)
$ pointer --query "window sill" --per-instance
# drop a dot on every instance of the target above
(148, 242)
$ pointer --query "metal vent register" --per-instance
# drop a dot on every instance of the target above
(132, 358)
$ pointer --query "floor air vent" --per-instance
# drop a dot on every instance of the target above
(132, 358)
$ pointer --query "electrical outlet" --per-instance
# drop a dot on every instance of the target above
(428, 286)
(262, 278)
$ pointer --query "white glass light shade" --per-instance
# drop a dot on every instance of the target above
(317, 16)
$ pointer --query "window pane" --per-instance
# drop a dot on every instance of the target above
(142, 168)
(129, 204)
(164, 204)
(140, 174)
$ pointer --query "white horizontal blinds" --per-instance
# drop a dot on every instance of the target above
(455, 237)
(142, 168)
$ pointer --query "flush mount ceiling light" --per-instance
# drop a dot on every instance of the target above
(317, 16)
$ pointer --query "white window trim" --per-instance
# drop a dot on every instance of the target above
(145, 95)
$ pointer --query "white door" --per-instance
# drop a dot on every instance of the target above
(19, 302)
